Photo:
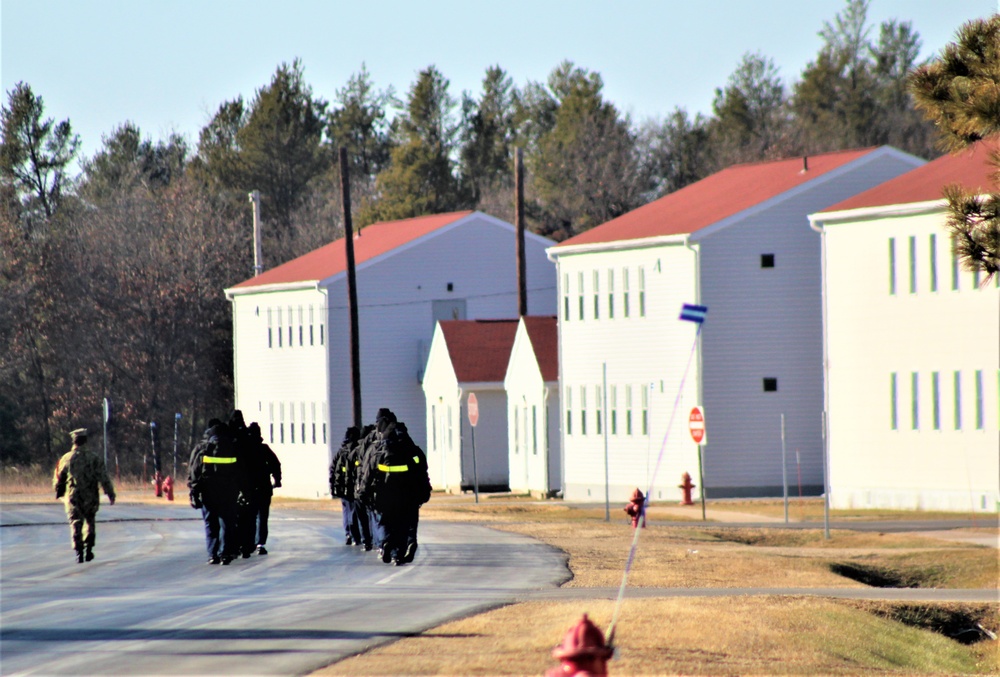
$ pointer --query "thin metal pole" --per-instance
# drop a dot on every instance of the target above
(177, 422)
(826, 483)
(701, 483)
(352, 291)
(258, 256)
(607, 487)
(475, 470)
(784, 467)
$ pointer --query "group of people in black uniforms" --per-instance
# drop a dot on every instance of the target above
(230, 481)
(380, 476)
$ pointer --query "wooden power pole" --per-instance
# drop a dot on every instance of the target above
(352, 290)
(522, 278)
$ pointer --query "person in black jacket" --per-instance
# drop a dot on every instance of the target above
(213, 482)
(402, 486)
(263, 466)
(365, 484)
(342, 478)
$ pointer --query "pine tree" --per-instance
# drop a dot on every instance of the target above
(960, 93)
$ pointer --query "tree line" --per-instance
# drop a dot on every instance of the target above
(111, 279)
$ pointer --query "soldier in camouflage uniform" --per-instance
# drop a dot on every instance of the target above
(78, 479)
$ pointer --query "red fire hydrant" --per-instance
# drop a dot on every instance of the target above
(168, 488)
(686, 486)
(582, 652)
(636, 509)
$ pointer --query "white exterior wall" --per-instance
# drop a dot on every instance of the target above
(767, 323)
(490, 464)
(284, 383)
(396, 296)
(532, 405)
(642, 353)
(924, 460)
(444, 445)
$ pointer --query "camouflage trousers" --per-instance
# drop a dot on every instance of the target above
(83, 528)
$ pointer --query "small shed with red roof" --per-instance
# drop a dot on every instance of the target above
(738, 242)
(911, 341)
(532, 385)
(468, 356)
(291, 342)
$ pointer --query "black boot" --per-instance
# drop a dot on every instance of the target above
(79, 556)
(90, 554)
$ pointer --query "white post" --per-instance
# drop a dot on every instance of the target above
(784, 467)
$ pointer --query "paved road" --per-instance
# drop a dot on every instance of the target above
(148, 603)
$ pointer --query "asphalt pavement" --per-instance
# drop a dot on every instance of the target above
(150, 604)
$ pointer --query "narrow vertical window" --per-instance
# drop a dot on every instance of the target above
(894, 401)
(933, 262)
(599, 407)
(954, 267)
(936, 399)
(517, 429)
(312, 321)
(628, 410)
(313, 418)
(958, 400)
(625, 291)
(579, 280)
(980, 409)
(534, 430)
(569, 411)
(583, 410)
(597, 295)
(301, 328)
(566, 297)
(281, 423)
(915, 401)
(321, 331)
(302, 419)
(326, 417)
(270, 420)
(645, 409)
(291, 421)
(434, 428)
(975, 278)
(451, 429)
(892, 265)
(270, 336)
(281, 331)
(611, 293)
(913, 264)
(613, 410)
(642, 292)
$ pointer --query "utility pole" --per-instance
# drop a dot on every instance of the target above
(522, 278)
(352, 291)
(258, 256)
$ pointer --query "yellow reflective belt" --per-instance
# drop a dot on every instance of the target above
(416, 459)
(343, 468)
(220, 459)
(392, 468)
(357, 463)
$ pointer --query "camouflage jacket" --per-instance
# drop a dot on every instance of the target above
(78, 479)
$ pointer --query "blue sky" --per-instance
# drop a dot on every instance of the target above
(168, 65)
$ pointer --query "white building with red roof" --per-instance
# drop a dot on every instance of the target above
(291, 328)
(468, 357)
(532, 385)
(912, 348)
(738, 242)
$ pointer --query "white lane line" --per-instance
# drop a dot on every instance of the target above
(391, 577)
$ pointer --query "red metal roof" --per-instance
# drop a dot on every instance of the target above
(968, 168)
(479, 349)
(371, 242)
(714, 198)
(543, 332)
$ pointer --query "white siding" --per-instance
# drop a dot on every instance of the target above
(441, 391)
(534, 454)
(639, 351)
(285, 377)
(873, 334)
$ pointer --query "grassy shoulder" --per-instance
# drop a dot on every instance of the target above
(705, 636)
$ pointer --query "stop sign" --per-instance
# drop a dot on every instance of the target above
(696, 424)
(473, 410)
